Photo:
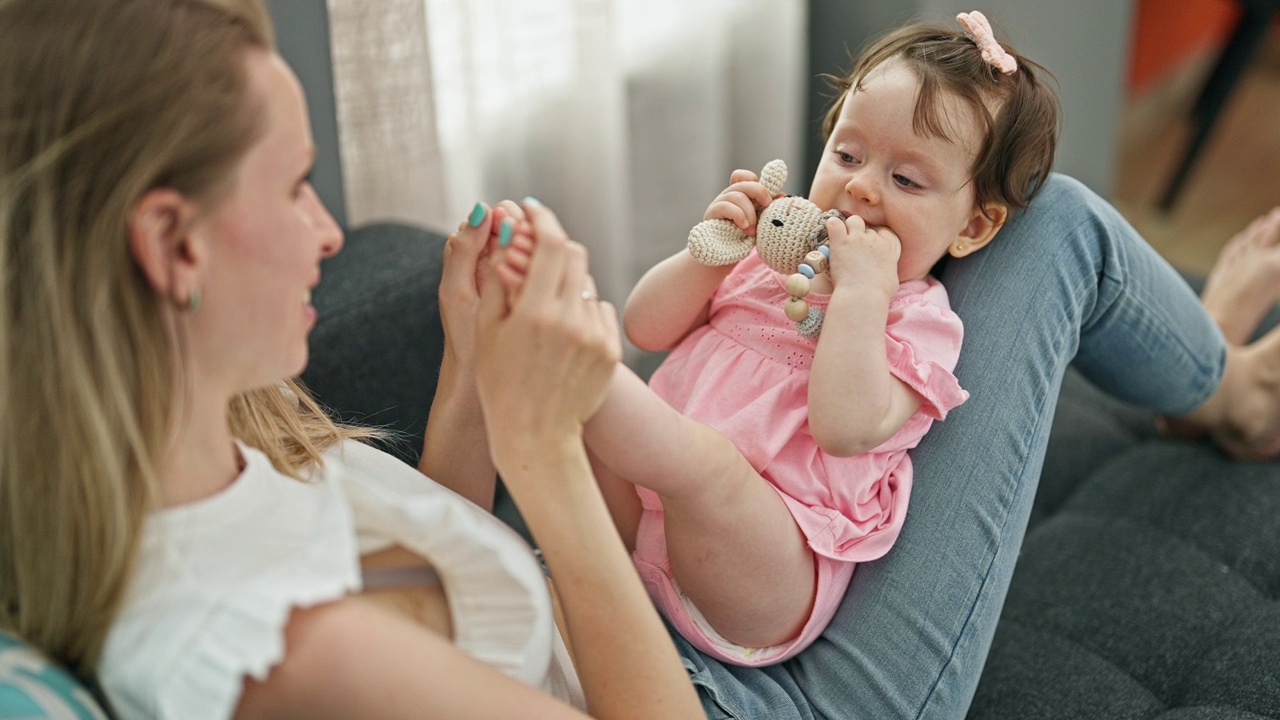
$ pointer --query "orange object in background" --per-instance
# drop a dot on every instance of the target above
(1169, 33)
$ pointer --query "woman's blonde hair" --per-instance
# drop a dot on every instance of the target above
(102, 101)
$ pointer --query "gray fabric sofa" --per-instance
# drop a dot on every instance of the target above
(1147, 586)
(1149, 582)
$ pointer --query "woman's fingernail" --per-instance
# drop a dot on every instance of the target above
(504, 233)
(477, 215)
(531, 200)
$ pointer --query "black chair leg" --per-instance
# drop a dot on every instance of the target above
(1246, 37)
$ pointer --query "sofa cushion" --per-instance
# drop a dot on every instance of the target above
(1149, 582)
(377, 344)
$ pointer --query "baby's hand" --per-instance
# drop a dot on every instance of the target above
(739, 201)
(863, 255)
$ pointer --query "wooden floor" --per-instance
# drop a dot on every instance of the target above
(1236, 178)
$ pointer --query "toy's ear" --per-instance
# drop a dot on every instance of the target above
(984, 223)
(774, 176)
(719, 242)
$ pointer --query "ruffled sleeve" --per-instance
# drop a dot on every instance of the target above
(497, 595)
(922, 339)
(216, 583)
(218, 579)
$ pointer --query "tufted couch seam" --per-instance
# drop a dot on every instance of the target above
(1035, 631)
(1165, 531)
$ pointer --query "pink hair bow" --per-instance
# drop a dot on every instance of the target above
(975, 23)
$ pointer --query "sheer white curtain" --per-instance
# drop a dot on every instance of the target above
(625, 116)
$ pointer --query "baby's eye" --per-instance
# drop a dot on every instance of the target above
(905, 181)
(846, 157)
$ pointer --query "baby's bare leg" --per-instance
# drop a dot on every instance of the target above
(734, 548)
(620, 497)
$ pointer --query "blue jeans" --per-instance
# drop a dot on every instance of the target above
(1067, 279)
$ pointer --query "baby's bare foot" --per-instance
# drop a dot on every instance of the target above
(1243, 415)
(1251, 430)
(1245, 280)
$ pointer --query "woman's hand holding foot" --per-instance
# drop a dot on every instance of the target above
(546, 355)
(455, 449)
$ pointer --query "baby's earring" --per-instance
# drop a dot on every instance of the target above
(959, 246)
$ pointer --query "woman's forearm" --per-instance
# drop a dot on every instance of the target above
(455, 450)
(625, 659)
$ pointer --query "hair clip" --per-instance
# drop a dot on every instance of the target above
(975, 23)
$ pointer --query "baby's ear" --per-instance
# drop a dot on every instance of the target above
(984, 223)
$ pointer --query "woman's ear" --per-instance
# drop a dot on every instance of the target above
(983, 225)
(163, 245)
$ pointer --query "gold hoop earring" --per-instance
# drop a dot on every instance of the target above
(193, 301)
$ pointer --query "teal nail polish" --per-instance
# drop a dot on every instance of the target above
(531, 200)
(477, 215)
(504, 233)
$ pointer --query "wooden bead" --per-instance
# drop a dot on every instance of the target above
(798, 285)
(797, 310)
(817, 261)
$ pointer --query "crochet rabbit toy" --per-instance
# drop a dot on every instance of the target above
(791, 238)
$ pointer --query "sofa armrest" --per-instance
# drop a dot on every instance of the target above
(32, 686)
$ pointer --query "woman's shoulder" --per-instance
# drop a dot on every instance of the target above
(214, 585)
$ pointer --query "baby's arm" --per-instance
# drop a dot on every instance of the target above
(670, 301)
(674, 297)
(855, 403)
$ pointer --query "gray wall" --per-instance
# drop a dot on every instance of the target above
(1084, 44)
(302, 33)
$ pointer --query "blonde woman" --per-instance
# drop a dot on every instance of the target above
(208, 545)
(160, 246)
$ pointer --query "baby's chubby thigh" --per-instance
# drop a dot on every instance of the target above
(738, 606)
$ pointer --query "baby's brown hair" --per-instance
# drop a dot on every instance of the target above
(1017, 112)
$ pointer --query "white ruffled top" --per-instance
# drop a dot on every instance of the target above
(217, 579)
